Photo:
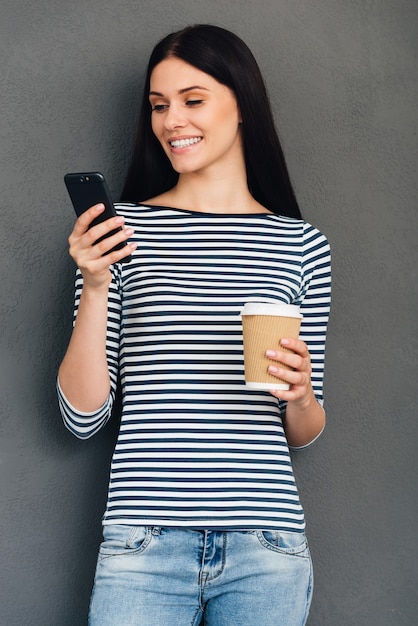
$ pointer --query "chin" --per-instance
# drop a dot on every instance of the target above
(184, 168)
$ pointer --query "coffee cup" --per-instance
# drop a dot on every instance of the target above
(264, 325)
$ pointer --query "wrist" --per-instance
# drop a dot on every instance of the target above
(97, 286)
(305, 403)
(303, 425)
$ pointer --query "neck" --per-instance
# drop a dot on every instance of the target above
(226, 192)
(219, 188)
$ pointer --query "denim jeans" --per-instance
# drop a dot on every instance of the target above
(151, 576)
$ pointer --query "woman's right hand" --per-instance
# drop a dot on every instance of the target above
(88, 255)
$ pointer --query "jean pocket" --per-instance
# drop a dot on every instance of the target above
(284, 542)
(120, 540)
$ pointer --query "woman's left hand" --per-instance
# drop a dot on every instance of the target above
(299, 377)
(304, 418)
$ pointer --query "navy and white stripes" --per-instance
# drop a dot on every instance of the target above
(197, 449)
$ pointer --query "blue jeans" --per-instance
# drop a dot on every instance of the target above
(151, 576)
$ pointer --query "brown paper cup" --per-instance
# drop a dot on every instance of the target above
(263, 327)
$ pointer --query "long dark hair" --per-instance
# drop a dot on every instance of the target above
(225, 57)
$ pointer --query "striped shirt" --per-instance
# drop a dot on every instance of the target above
(196, 448)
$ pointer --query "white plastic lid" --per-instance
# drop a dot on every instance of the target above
(266, 308)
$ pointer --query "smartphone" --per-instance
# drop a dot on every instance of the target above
(89, 188)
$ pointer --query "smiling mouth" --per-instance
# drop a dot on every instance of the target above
(185, 143)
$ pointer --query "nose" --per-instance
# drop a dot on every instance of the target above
(174, 118)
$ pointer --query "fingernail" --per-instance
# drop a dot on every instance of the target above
(273, 369)
(119, 220)
(270, 353)
(285, 342)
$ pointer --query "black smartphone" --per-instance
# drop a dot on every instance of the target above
(87, 189)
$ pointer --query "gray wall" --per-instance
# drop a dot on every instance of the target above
(343, 78)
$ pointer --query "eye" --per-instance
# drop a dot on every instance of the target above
(194, 103)
(159, 108)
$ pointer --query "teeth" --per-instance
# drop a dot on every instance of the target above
(183, 143)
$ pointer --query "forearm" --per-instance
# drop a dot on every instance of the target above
(303, 422)
(83, 374)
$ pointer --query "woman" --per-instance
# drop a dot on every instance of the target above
(203, 514)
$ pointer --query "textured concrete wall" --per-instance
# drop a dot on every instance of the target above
(343, 78)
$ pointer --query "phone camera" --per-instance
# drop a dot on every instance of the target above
(81, 179)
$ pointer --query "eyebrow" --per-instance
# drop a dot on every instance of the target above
(181, 91)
